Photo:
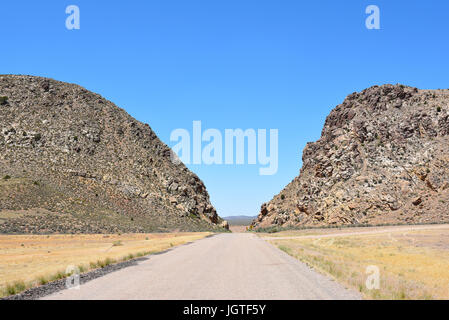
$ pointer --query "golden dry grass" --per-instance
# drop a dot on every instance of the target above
(412, 264)
(28, 260)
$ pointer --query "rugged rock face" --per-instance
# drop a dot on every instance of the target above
(71, 161)
(383, 157)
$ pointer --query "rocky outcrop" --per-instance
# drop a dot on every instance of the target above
(71, 161)
(383, 157)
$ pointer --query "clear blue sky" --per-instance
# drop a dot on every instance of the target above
(231, 64)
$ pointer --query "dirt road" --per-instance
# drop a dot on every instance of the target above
(226, 266)
(362, 231)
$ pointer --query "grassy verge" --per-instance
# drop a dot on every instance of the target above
(412, 265)
(19, 285)
(28, 261)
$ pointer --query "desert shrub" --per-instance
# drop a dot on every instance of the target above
(16, 287)
(59, 275)
(282, 197)
(438, 109)
(42, 280)
(3, 100)
(105, 263)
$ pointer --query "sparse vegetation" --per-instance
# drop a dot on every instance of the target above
(43, 259)
(438, 109)
(413, 264)
(7, 177)
(16, 287)
(42, 280)
(104, 263)
(285, 249)
(117, 243)
(3, 100)
(58, 275)
(130, 256)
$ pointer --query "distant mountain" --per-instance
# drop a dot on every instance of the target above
(382, 157)
(239, 220)
(72, 161)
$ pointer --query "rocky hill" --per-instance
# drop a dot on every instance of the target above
(383, 157)
(71, 161)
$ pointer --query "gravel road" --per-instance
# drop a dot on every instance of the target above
(365, 230)
(226, 266)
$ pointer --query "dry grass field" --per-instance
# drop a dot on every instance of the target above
(413, 261)
(29, 260)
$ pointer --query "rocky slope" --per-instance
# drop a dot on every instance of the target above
(71, 161)
(383, 157)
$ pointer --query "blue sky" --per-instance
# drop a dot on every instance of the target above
(231, 64)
